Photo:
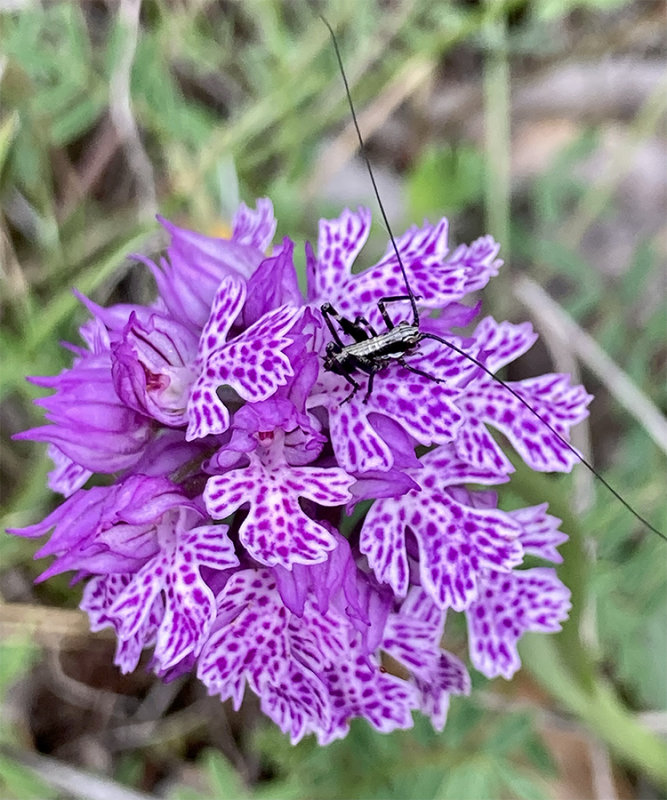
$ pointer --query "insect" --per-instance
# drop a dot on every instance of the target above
(372, 352)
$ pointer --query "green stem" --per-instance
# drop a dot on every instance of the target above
(497, 124)
(564, 666)
(599, 708)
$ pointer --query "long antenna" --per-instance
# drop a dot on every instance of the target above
(415, 311)
(546, 422)
(362, 148)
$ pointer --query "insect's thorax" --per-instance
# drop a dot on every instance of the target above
(371, 355)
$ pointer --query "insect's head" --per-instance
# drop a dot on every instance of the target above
(331, 362)
(411, 335)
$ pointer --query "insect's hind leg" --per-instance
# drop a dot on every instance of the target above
(393, 299)
(418, 371)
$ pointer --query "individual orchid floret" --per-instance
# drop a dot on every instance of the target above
(486, 402)
(253, 364)
(511, 604)
(145, 535)
(455, 541)
(153, 368)
(173, 578)
(435, 276)
(107, 529)
(412, 636)
(277, 531)
(189, 276)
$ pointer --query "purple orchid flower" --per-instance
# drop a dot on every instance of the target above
(264, 529)
(91, 426)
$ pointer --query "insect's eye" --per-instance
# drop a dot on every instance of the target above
(331, 346)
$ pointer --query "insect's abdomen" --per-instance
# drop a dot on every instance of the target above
(395, 342)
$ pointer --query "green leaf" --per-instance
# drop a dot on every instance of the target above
(16, 657)
(476, 778)
(77, 119)
(445, 180)
(644, 262)
(223, 778)
(8, 129)
(550, 10)
(520, 785)
(513, 730)
(539, 756)
(20, 783)
(632, 609)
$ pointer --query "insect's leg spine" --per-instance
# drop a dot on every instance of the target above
(362, 149)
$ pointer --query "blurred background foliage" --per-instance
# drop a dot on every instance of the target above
(541, 122)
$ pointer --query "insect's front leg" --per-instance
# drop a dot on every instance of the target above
(369, 387)
(355, 388)
(361, 364)
(328, 311)
(352, 329)
(394, 299)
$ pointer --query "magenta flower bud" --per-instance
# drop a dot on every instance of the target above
(91, 426)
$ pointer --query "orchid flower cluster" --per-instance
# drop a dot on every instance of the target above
(259, 527)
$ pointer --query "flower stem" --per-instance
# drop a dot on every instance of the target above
(563, 666)
(599, 708)
(497, 125)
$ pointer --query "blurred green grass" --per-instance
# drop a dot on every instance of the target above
(222, 89)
